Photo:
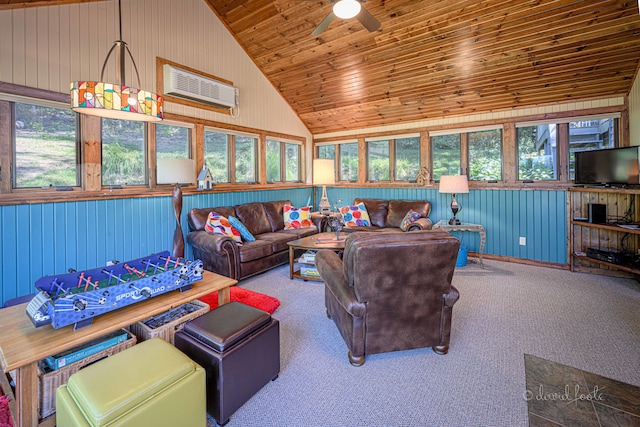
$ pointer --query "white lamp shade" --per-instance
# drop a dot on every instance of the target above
(175, 171)
(454, 184)
(323, 171)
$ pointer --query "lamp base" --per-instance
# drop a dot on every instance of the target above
(454, 221)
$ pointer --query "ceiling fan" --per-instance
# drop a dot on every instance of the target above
(347, 9)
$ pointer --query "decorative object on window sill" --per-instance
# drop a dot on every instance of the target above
(324, 173)
(454, 184)
(205, 180)
(178, 171)
(423, 176)
(116, 100)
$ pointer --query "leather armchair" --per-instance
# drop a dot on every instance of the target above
(391, 291)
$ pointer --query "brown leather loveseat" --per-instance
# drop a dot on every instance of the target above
(386, 215)
(220, 254)
(391, 291)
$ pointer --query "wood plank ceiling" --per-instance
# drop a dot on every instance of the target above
(432, 58)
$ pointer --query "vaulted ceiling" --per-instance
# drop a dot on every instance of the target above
(433, 58)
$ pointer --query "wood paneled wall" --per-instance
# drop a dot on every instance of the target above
(45, 239)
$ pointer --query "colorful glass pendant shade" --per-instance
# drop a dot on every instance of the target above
(116, 100)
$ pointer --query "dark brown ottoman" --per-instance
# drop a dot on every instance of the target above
(239, 347)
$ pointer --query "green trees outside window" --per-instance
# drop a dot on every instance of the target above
(378, 160)
(348, 162)
(445, 151)
(123, 152)
(216, 155)
(45, 147)
(485, 155)
(407, 158)
(537, 155)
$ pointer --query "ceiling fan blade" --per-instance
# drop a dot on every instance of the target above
(324, 24)
(368, 20)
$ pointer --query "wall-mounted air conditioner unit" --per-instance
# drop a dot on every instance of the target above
(185, 84)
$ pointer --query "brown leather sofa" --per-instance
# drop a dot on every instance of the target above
(391, 291)
(386, 215)
(222, 255)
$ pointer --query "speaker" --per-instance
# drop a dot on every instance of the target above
(597, 213)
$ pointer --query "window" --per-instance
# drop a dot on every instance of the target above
(279, 170)
(378, 160)
(591, 134)
(348, 162)
(292, 165)
(45, 147)
(274, 156)
(407, 158)
(123, 152)
(245, 154)
(216, 155)
(485, 155)
(537, 154)
(173, 141)
(327, 152)
(445, 150)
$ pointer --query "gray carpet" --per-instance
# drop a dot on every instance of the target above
(505, 311)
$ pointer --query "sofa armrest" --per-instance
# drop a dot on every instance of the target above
(331, 270)
(217, 252)
(420, 224)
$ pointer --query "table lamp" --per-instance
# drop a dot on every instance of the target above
(454, 184)
(176, 171)
(324, 173)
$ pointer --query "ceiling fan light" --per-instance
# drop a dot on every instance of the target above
(346, 9)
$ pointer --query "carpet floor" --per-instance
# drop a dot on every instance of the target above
(505, 311)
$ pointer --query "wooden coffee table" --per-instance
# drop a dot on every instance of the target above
(313, 243)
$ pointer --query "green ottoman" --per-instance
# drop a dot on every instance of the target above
(149, 384)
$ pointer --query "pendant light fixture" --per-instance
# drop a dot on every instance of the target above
(347, 9)
(116, 100)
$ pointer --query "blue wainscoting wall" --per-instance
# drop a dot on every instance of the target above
(49, 238)
(537, 215)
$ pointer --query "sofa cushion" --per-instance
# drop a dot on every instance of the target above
(297, 217)
(218, 224)
(274, 211)
(278, 240)
(377, 210)
(301, 232)
(409, 219)
(255, 250)
(253, 216)
(244, 232)
(197, 217)
(399, 208)
(355, 215)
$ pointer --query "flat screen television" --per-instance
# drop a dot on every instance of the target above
(612, 166)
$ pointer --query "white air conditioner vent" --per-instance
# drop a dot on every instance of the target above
(185, 84)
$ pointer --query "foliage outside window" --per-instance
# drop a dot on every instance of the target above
(485, 155)
(45, 147)
(378, 160)
(537, 154)
(445, 151)
(274, 154)
(348, 162)
(172, 141)
(586, 135)
(245, 156)
(123, 152)
(327, 152)
(407, 158)
(292, 166)
(216, 155)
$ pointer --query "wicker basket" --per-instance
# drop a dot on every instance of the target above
(48, 382)
(168, 330)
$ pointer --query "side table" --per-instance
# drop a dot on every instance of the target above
(444, 225)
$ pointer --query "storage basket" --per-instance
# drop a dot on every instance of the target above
(49, 381)
(145, 329)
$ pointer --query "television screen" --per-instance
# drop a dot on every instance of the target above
(609, 166)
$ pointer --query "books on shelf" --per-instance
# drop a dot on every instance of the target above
(60, 360)
(309, 271)
(308, 257)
